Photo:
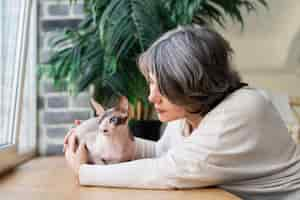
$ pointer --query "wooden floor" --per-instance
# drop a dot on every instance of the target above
(49, 178)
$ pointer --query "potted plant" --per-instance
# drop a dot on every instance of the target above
(102, 51)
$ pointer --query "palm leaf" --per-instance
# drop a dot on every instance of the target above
(126, 22)
(232, 8)
(200, 11)
(103, 49)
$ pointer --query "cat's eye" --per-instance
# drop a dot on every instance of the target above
(114, 120)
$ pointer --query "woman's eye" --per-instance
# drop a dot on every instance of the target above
(113, 120)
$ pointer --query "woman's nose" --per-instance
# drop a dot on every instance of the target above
(154, 96)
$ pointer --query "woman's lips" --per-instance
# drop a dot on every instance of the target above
(160, 110)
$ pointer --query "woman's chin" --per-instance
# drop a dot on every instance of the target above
(165, 118)
(161, 117)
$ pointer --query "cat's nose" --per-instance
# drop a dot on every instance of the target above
(105, 130)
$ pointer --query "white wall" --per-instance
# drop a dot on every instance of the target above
(267, 51)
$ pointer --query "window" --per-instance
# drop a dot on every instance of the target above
(17, 81)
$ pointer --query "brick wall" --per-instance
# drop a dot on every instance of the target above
(57, 110)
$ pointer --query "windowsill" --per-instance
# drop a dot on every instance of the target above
(10, 159)
(49, 178)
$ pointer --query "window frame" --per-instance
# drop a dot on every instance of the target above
(9, 155)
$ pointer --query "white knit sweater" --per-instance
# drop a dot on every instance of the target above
(242, 145)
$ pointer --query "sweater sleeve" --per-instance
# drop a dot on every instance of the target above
(181, 167)
(144, 148)
(150, 149)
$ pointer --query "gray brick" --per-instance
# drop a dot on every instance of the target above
(78, 9)
(81, 101)
(59, 10)
(57, 101)
(56, 132)
(48, 87)
(57, 25)
(49, 11)
(54, 149)
(64, 117)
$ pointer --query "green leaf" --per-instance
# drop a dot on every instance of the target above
(103, 49)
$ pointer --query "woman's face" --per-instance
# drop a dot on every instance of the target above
(166, 110)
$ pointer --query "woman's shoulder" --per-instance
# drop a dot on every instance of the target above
(247, 99)
(250, 94)
(244, 105)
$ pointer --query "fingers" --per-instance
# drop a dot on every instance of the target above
(82, 147)
(68, 157)
(77, 122)
(67, 136)
(71, 131)
(65, 147)
(66, 139)
(82, 153)
(73, 143)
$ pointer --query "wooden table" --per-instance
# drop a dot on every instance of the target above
(49, 178)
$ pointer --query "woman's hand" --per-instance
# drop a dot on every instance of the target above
(75, 155)
(76, 123)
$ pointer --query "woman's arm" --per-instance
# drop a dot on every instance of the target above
(144, 148)
(181, 167)
(134, 174)
(171, 170)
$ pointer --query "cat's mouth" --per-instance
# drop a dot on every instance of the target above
(106, 133)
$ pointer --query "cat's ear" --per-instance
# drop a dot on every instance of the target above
(123, 104)
(98, 108)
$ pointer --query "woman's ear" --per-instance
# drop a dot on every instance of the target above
(98, 108)
(123, 104)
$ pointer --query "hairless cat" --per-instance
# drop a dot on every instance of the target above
(107, 137)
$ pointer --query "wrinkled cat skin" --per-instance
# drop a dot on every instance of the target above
(107, 137)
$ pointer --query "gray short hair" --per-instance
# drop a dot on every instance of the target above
(192, 65)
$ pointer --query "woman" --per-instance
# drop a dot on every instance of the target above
(220, 132)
